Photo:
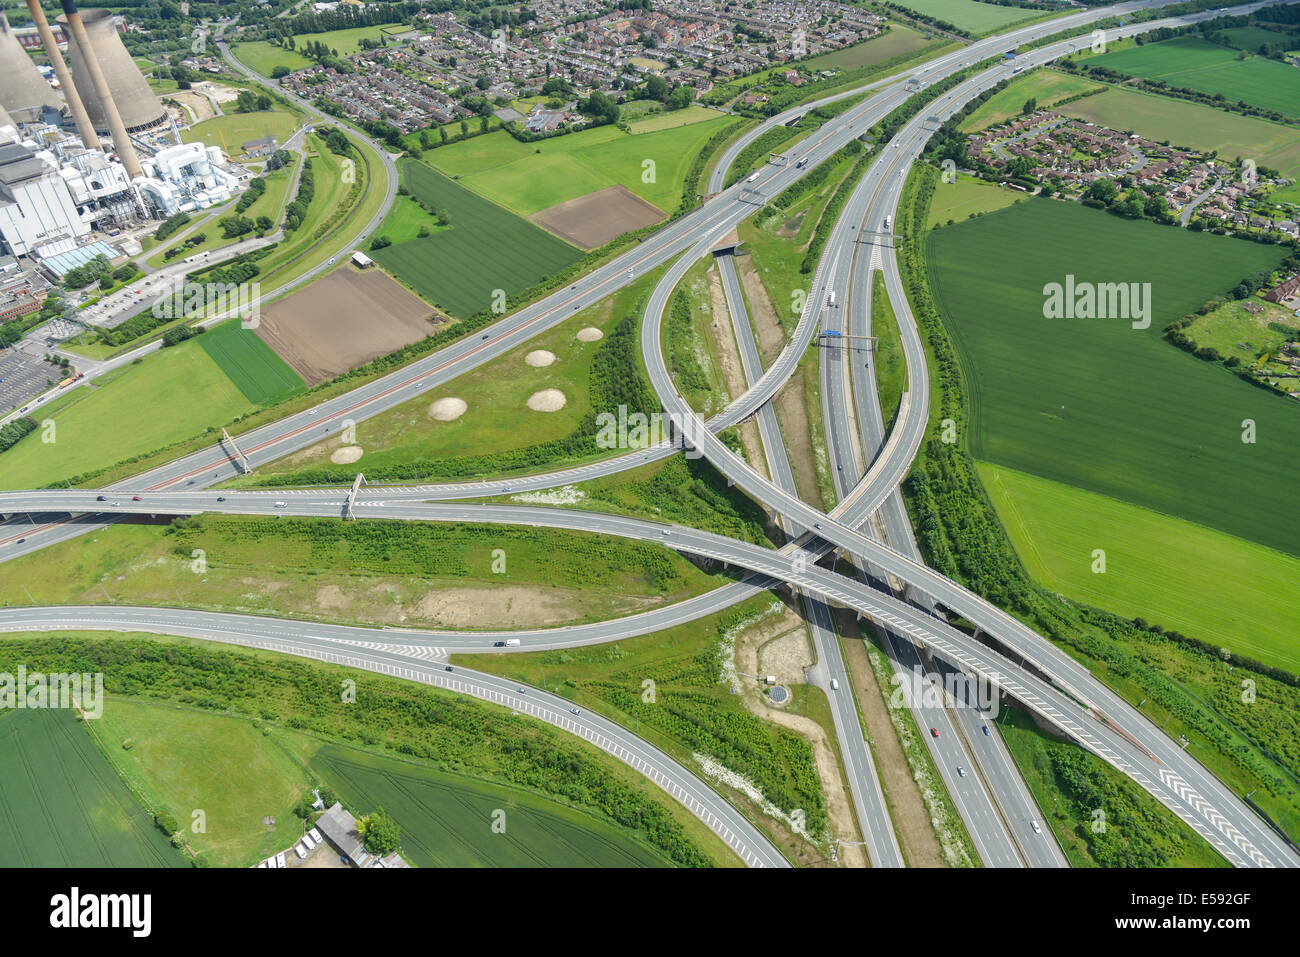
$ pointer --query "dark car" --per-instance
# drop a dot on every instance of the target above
(221, 498)
(448, 668)
(986, 730)
(498, 644)
(100, 498)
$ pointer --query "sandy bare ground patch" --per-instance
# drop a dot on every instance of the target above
(448, 409)
(547, 400)
(906, 806)
(732, 372)
(539, 358)
(780, 646)
(767, 327)
(593, 220)
(791, 409)
(590, 334)
(513, 606)
(346, 455)
(343, 320)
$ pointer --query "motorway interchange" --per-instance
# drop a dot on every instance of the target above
(889, 585)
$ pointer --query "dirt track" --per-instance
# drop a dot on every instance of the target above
(343, 320)
(593, 220)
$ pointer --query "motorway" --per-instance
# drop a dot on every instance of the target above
(1054, 700)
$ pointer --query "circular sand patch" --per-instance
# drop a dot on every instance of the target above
(345, 455)
(539, 358)
(548, 400)
(445, 410)
(590, 334)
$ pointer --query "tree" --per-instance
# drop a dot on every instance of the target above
(1030, 106)
(379, 833)
(279, 70)
(379, 242)
(681, 97)
(656, 88)
(442, 133)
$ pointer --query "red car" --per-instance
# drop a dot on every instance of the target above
(136, 498)
(934, 732)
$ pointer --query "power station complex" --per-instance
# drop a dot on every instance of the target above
(74, 160)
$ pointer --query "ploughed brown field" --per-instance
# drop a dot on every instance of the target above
(343, 320)
(593, 220)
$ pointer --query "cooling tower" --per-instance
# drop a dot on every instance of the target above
(85, 129)
(95, 91)
(5, 118)
(23, 91)
(137, 104)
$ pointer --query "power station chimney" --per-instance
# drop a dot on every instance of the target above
(78, 109)
(121, 141)
(23, 91)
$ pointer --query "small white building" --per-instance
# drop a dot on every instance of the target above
(361, 260)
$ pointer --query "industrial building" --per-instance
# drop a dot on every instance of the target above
(186, 177)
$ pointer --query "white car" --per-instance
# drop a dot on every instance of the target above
(1037, 829)
(277, 504)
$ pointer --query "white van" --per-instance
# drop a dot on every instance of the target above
(835, 685)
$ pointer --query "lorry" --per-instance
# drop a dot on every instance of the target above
(830, 300)
(752, 178)
(511, 642)
(889, 221)
(802, 163)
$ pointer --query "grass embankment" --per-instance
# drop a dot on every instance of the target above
(407, 573)
(674, 688)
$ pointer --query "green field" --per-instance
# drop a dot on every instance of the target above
(898, 40)
(1209, 68)
(1097, 404)
(62, 803)
(1192, 125)
(530, 177)
(968, 197)
(234, 129)
(264, 56)
(447, 820)
(1048, 87)
(185, 760)
(295, 705)
(487, 248)
(416, 574)
(1181, 576)
(1252, 38)
(171, 395)
(260, 374)
(970, 15)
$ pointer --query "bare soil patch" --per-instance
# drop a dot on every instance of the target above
(593, 220)
(767, 327)
(547, 400)
(343, 320)
(448, 409)
(590, 334)
(346, 455)
(539, 358)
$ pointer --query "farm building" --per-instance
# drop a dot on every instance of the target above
(361, 260)
(339, 827)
